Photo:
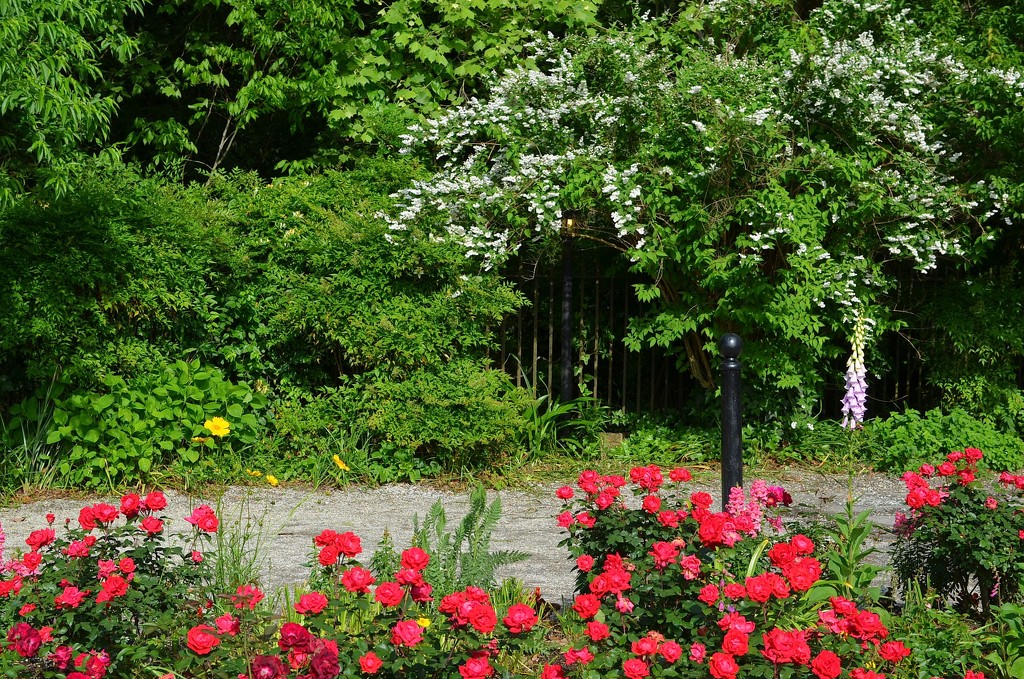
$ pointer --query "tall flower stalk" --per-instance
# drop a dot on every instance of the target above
(855, 399)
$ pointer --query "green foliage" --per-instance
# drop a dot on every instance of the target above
(463, 557)
(1006, 637)
(294, 84)
(134, 627)
(962, 536)
(52, 98)
(28, 459)
(786, 171)
(550, 425)
(461, 413)
(847, 559)
(909, 439)
(122, 434)
(944, 643)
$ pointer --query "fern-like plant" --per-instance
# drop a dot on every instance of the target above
(462, 557)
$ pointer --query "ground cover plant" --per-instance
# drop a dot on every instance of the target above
(667, 586)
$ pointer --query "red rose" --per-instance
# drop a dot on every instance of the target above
(294, 636)
(155, 501)
(582, 656)
(126, 565)
(782, 554)
(415, 558)
(708, 594)
(826, 665)
(586, 520)
(406, 633)
(597, 631)
(311, 603)
(104, 513)
(668, 518)
(759, 589)
(267, 667)
(324, 664)
(349, 544)
(735, 643)
(113, 587)
(86, 519)
(861, 673)
(369, 663)
(227, 624)
(866, 625)
(204, 518)
(735, 591)
(723, 666)
(389, 593)
(584, 563)
(786, 646)
(701, 500)
(680, 475)
(24, 640)
(483, 618)
(712, 529)
(407, 576)
(803, 573)
(670, 651)
(151, 525)
(247, 596)
(328, 556)
(476, 668)
(735, 621)
(31, 560)
(894, 651)
(586, 606)
(71, 597)
(202, 640)
(357, 579)
(40, 538)
(565, 519)
(131, 505)
(652, 504)
(552, 672)
(803, 544)
(634, 668)
(520, 618)
(664, 553)
(564, 493)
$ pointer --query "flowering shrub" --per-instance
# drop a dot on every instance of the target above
(961, 535)
(105, 595)
(360, 625)
(675, 589)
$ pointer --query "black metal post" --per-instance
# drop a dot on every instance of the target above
(567, 393)
(731, 346)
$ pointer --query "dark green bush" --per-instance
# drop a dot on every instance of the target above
(907, 440)
(121, 434)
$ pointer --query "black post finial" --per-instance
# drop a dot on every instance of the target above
(731, 346)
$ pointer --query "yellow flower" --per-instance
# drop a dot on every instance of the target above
(341, 465)
(253, 472)
(200, 439)
(423, 622)
(218, 426)
(272, 480)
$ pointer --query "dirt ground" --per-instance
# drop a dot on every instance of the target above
(283, 521)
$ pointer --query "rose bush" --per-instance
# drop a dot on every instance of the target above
(961, 534)
(673, 588)
(354, 623)
(104, 597)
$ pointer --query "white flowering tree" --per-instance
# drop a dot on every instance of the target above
(773, 177)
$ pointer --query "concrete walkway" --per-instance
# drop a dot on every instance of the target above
(282, 521)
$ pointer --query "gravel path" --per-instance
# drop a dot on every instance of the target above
(285, 520)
